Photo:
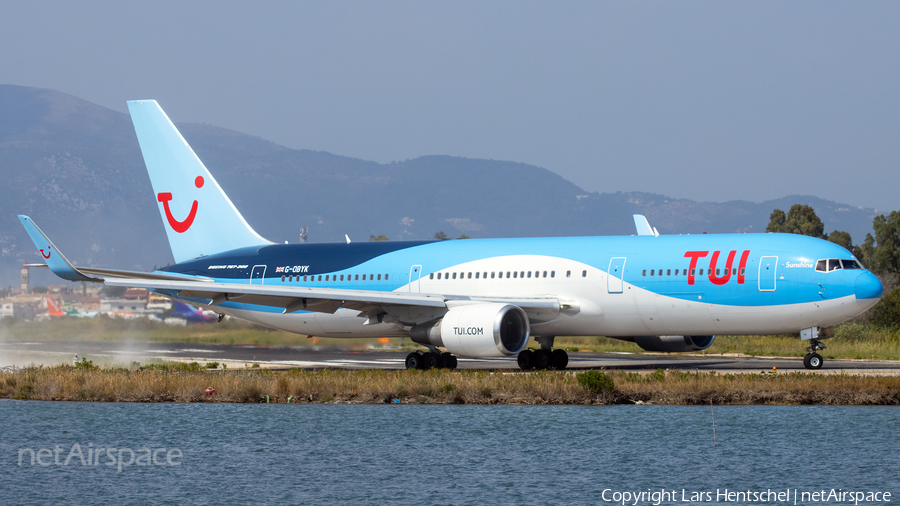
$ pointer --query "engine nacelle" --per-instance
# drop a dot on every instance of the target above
(674, 343)
(477, 330)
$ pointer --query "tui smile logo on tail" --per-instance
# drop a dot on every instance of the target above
(49, 251)
(180, 226)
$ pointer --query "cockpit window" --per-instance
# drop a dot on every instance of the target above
(833, 264)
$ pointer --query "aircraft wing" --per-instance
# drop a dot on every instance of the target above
(406, 306)
(329, 300)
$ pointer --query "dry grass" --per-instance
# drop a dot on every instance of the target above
(443, 387)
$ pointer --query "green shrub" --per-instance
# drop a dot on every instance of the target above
(886, 313)
(84, 363)
(212, 365)
(23, 392)
(596, 382)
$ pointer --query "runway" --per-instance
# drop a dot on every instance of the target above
(25, 353)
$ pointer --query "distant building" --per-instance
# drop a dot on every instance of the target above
(123, 307)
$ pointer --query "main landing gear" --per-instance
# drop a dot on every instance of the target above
(813, 360)
(430, 360)
(544, 358)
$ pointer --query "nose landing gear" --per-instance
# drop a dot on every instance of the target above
(813, 360)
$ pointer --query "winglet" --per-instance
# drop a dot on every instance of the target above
(643, 226)
(55, 259)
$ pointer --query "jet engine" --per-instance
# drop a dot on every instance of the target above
(477, 330)
(674, 343)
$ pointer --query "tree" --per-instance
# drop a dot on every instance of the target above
(441, 236)
(39, 289)
(464, 236)
(381, 237)
(800, 219)
(881, 253)
(842, 239)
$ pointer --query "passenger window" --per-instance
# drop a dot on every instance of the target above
(385, 277)
(379, 277)
(364, 277)
(522, 275)
(342, 277)
(552, 274)
(568, 274)
(701, 272)
(668, 272)
(484, 275)
(326, 277)
(469, 275)
(492, 275)
(507, 274)
(684, 272)
(693, 272)
(304, 279)
(454, 275)
(320, 277)
(529, 274)
(718, 271)
(282, 279)
(431, 276)
(477, 274)
(676, 272)
(743, 271)
(515, 275)
(645, 272)
(584, 274)
(545, 274)
(652, 272)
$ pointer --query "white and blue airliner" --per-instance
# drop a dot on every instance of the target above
(482, 297)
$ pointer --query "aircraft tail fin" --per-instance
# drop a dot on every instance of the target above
(643, 226)
(199, 219)
(53, 308)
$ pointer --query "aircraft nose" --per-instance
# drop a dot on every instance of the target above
(868, 289)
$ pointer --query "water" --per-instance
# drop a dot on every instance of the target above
(400, 454)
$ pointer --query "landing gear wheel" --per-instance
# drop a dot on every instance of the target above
(525, 360)
(449, 361)
(414, 360)
(543, 359)
(813, 361)
(560, 359)
(432, 360)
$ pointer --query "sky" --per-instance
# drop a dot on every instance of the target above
(711, 101)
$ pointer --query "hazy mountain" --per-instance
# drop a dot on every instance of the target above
(76, 168)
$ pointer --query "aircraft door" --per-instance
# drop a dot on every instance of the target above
(415, 274)
(615, 275)
(767, 268)
(257, 275)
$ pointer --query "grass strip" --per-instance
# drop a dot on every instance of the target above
(188, 383)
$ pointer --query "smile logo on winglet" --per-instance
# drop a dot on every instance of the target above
(180, 226)
(47, 256)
